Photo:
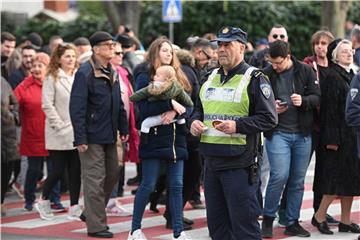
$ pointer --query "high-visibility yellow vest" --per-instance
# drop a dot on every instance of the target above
(229, 101)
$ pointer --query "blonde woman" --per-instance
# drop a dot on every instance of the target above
(59, 134)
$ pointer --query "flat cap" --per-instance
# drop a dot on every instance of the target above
(229, 34)
(99, 37)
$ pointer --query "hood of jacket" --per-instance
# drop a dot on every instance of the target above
(185, 57)
(156, 90)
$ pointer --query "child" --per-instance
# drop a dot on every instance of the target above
(164, 86)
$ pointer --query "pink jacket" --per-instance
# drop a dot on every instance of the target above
(132, 151)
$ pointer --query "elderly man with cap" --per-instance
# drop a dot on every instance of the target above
(236, 104)
(97, 113)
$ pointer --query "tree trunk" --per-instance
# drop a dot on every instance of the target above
(112, 14)
(123, 12)
(333, 16)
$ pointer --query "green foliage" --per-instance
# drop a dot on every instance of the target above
(94, 8)
(301, 19)
(354, 12)
(84, 26)
(46, 28)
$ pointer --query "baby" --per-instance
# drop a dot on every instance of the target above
(163, 87)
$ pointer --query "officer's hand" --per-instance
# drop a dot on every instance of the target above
(82, 148)
(280, 109)
(227, 126)
(197, 128)
(296, 99)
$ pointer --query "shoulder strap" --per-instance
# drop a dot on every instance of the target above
(249, 72)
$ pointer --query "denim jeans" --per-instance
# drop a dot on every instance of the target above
(288, 155)
(35, 165)
(150, 172)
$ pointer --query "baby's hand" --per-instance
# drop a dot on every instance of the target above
(180, 109)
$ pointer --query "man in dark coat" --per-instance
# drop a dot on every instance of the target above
(288, 145)
(97, 113)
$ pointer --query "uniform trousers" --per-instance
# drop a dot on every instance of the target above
(232, 204)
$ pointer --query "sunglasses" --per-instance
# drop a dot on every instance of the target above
(275, 36)
(119, 53)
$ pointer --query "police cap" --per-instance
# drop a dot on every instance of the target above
(229, 34)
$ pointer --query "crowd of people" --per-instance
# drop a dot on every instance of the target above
(245, 127)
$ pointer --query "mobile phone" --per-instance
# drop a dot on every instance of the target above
(284, 103)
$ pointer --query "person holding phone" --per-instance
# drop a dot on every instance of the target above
(288, 145)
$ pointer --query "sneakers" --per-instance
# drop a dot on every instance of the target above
(43, 207)
(197, 204)
(182, 237)
(296, 230)
(18, 189)
(136, 235)
(117, 211)
(74, 212)
(57, 207)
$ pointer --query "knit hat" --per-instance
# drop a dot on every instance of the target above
(124, 40)
(99, 37)
(331, 48)
(43, 58)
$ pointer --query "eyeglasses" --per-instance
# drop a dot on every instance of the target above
(277, 63)
(345, 51)
(119, 53)
(206, 54)
(275, 36)
(108, 44)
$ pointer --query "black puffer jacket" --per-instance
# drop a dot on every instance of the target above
(165, 142)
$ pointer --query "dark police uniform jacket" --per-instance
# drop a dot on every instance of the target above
(262, 117)
(352, 113)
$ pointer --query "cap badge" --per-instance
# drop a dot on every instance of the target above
(225, 30)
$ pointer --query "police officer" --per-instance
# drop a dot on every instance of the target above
(352, 113)
(236, 104)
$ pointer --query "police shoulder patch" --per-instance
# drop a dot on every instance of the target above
(265, 90)
(353, 93)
